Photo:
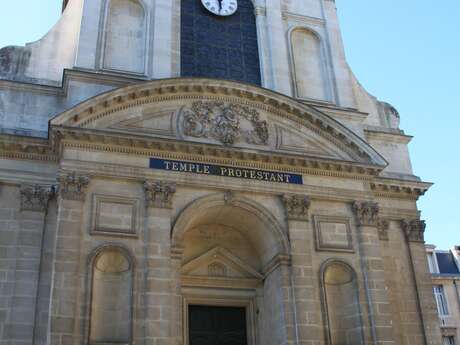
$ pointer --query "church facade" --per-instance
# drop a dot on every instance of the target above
(202, 172)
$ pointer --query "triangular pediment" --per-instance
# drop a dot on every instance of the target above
(219, 263)
(220, 113)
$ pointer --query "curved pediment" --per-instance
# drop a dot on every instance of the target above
(221, 113)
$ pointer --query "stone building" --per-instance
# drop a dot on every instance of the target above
(444, 267)
(204, 172)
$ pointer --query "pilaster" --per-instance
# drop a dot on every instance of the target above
(67, 272)
(276, 33)
(34, 200)
(372, 266)
(161, 280)
(414, 230)
(303, 279)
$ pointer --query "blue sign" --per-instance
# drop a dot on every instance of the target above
(225, 171)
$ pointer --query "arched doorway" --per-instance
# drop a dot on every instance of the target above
(232, 273)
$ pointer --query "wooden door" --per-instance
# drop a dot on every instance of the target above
(217, 325)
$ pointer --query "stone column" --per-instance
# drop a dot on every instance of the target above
(159, 294)
(28, 252)
(414, 232)
(277, 46)
(66, 270)
(372, 266)
(304, 279)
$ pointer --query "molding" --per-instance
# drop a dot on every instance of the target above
(296, 206)
(28, 148)
(98, 229)
(321, 245)
(94, 140)
(73, 186)
(366, 213)
(35, 197)
(302, 19)
(159, 194)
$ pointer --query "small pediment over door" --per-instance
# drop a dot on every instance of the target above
(219, 268)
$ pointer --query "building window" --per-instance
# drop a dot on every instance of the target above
(111, 298)
(219, 47)
(448, 340)
(341, 304)
(441, 301)
(432, 263)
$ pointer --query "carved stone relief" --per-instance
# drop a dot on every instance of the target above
(382, 226)
(73, 186)
(159, 194)
(414, 230)
(35, 197)
(225, 122)
(366, 213)
(296, 206)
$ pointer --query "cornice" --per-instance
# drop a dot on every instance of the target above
(94, 140)
(399, 189)
(26, 148)
(198, 88)
(387, 136)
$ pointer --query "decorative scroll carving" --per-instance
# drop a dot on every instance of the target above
(382, 226)
(73, 186)
(296, 206)
(366, 213)
(224, 122)
(159, 194)
(414, 230)
(228, 197)
(35, 197)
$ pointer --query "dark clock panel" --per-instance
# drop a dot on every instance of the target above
(219, 47)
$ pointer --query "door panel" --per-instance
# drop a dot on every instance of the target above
(217, 325)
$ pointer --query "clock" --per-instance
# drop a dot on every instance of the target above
(221, 7)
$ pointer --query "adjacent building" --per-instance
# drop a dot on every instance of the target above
(445, 273)
(192, 172)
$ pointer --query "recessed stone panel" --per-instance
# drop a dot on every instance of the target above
(114, 215)
(333, 233)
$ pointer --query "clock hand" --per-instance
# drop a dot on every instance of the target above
(220, 4)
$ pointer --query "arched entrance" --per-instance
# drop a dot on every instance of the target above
(232, 273)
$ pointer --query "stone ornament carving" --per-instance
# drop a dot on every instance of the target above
(366, 213)
(216, 269)
(382, 226)
(159, 194)
(296, 206)
(226, 122)
(73, 186)
(414, 230)
(35, 197)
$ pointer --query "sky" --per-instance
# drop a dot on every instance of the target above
(405, 52)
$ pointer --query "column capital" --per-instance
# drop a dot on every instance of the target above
(73, 186)
(366, 213)
(35, 197)
(296, 206)
(260, 11)
(382, 226)
(159, 194)
(414, 229)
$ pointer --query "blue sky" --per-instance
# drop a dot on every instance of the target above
(406, 52)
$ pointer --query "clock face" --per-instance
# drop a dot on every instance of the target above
(221, 7)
